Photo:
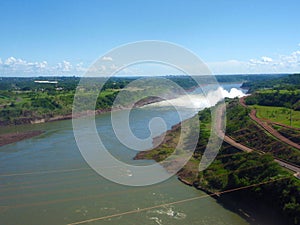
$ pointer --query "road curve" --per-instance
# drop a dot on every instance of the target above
(220, 115)
(290, 167)
(272, 131)
(229, 140)
(268, 128)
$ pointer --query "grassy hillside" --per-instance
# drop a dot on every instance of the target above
(247, 132)
(281, 115)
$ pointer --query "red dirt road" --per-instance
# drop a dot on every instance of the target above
(244, 148)
(269, 128)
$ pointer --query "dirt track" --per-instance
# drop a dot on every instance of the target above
(228, 139)
(244, 148)
(269, 128)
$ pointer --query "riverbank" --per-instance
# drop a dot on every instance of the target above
(37, 120)
(189, 172)
(9, 138)
(237, 173)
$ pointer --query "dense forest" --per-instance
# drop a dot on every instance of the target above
(284, 92)
(284, 98)
(266, 180)
(289, 82)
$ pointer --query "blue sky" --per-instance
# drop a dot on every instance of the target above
(64, 37)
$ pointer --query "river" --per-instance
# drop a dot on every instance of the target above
(45, 181)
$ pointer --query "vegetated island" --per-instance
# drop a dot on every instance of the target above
(249, 178)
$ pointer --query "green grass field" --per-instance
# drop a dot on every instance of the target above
(278, 114)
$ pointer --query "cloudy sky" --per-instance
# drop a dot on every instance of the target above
(64, 37)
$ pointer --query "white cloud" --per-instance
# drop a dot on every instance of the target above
(107, 58)
(265, 64)
(9, 61)
(266, 59)
(113, 67)
(80, 67)
(64, 66)
(102, 68)
(13, 61)
(43, 64)
(292, 59)
(13, 66)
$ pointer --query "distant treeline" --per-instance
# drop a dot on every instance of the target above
(70, 83)
(284, 91)
(63, 83)
(290, 82)
(246, 78)
(283, 98)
